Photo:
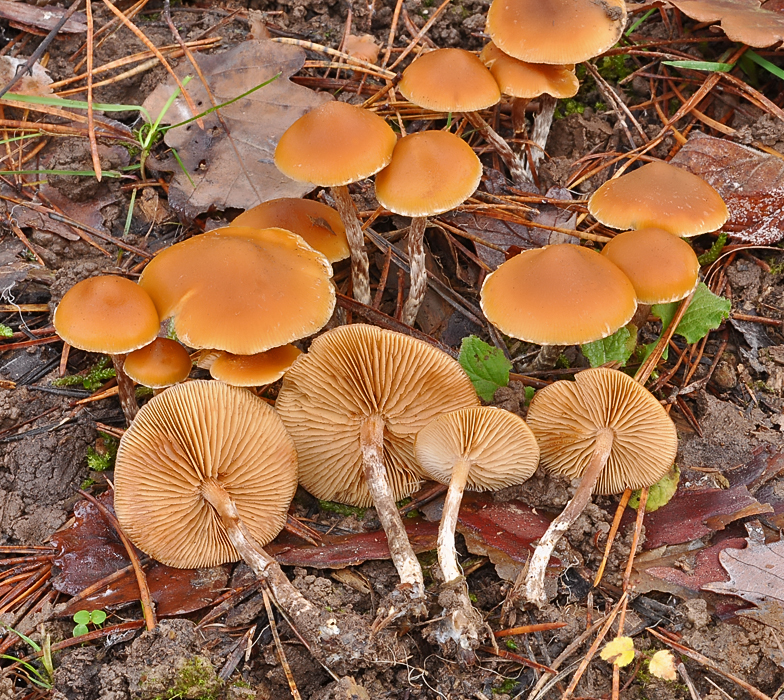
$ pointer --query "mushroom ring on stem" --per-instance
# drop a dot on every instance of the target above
(482, 449)
(605, 429)
(353, 406)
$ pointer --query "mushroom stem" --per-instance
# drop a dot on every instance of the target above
(264, 566)
(447, 553)
(546, 358)
(405, 561)
(640, 317)
(360, 266)
(416, 257)
(125, 389)
(541, 129)
(517, 169)
(534, 582)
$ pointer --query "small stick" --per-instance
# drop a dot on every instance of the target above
(517, 658)
(63, 360)
(529, 629)
(611, 535)
(412, 44)
(636, 538)
(90, 113)
(281, 654)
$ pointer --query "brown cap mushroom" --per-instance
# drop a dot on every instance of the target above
(254, 370)
(605, 429)
(659, 195)
(160, 364)
(555, 31)
(517, 78)
(111, 315)
(661, 267)
(317, 223)
(353, 406)
(241, 289)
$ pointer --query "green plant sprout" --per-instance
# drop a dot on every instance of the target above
(91, 380)
(83, 618)
(34, 675)
(5, 331)
(712, 255)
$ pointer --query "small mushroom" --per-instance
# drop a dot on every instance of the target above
(482, 449)
(254, 370)
(111, 315)
(430, 173)
(605, 429)
(162, 363)
(333, 146)
(353, 406)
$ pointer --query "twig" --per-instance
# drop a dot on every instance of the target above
(90, 113)
(611, 535)
(529, 629)
(414, 41)
(281, 654)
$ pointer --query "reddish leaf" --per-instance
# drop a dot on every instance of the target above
(767, 462)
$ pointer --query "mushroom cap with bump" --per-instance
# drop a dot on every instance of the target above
(160, 364)
(517, 78)
(241, 289)
(107, 314)
(335, 144)
(499, 446)
(353, 373)
(566, 416)
(189, 434)
(659, 195)
(558, 295)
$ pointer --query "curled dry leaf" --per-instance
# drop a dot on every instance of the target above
(746, 21)
(236, 171)
(750, 182)
(662, 665)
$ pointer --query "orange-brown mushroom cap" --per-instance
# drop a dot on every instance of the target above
(241, 289)
(661, 267)
(254, 370)
(349, 375)
(160, 364)
(566, 416)
(498, 444)
(659, 195)
(449, 80)
(555, 31)
(431, 172)
(189, 434)
(528, 80)
(317, 223)
(335, 144)
(106, 314)
(558, 295)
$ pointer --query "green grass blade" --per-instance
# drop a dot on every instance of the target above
(763, 63)
(710, 66)
(128, 219)
(182, 167)
(631, 29)
(75, 104)
(81, 173)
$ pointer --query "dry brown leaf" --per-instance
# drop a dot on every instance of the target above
(749, 181)
(744, 21)
(256, 122)
(46, 18)
(35, 84)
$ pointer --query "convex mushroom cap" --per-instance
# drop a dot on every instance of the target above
(566, 416)
(558, 295)
(181, 440)
(317, 223)
(517, 78)
(449, 80)
(659, 195)
(335, 144)
(555, 31)
(254, 370)
(241, 289)
(106, 314)
(160, 364)
(661, 266)
(431, 172)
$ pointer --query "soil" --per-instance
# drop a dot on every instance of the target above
(45, 434)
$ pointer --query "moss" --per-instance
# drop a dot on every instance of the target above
(100, 372)
(615, 68)
(196, 680)
(102, 456)
(342, 509)
(506, 687)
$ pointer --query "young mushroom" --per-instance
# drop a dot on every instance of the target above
(254, 370)
(111, 315)
(160, 364)
(605, 429)
(482, 449)
(353, 406)
(333, 146)
(430, 173)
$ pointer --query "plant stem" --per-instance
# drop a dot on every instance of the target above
(125, 389)
(416, 256)
(537, 566)
(360, 267)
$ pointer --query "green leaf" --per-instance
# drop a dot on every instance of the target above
(705, 313)
(660, 493)
(615, 348)
(97, 617)
(711, 66)
(485, 366)
(80, 630)
(5, 331)
(82, 617)
(529, 394)
(767, 65)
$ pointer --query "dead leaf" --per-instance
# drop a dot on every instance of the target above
(750, 182)
(756, 572)
(225, 178)
(42, 17)
(363, 47)
(744, 21)
(35, 84)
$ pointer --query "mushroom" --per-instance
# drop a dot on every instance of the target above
(659, 195)
(353, 406)
(160, 364)
(111, 315)
(205, 476)
(332, 146)
(430, 173)
(482, 449)
(558, 295)
(661, 267)
(317, 223)
(254, 370)
(241, 289)
(605, 429)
